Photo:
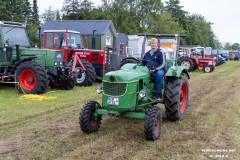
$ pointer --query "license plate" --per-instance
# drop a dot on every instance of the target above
(112, 101)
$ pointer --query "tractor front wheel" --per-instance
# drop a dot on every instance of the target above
(208, 68)
(176, 97)
(88, 77)
(32, 78)
(88, 120)
(153, 124)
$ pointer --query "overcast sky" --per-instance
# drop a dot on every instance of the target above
(223, 14)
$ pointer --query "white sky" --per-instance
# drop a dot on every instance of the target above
(224, 14)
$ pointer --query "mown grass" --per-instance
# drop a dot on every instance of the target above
(50, 130)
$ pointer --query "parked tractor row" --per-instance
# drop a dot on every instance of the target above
(33, 70)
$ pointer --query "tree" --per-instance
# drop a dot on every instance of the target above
(236, 46)
(173, 6)
(14, 10)
(35, 13)
(49, 14)
(58, 15)
(70, 8)
(164, 23)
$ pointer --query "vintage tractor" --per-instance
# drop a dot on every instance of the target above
(128, 92)
(70, 42)
(34, 69)
(195, 58)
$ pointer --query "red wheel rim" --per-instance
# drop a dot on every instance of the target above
(183, 98)
(93, 122)
(27, 79)
(156, 128)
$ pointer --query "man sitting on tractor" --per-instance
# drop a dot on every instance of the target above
(154, 59)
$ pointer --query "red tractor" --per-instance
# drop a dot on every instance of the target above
(70, 42)
(194, 58)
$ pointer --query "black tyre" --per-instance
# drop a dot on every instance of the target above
(88, 77)
(65, 84)
(89, 123)
(32, 78)
(207, 68)
(128, 61)
(176, 97)
(153, 124)
(187, 63)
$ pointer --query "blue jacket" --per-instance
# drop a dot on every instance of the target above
(158, 58)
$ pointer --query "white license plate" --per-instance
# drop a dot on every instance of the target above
(112, 101)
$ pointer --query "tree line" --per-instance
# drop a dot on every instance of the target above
(146, 16)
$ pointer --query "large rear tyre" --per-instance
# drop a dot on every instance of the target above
(88, 121)
(128, 61)
(88, 77)
(176, 97)
(153, 124)
(32, 78)
(65, 84)
(187, 63)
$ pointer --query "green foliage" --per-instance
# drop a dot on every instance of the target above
(164, 23)
(229, 46)
(49, 14)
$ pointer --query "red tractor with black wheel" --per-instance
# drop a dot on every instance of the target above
(192, 60)
(70, 42)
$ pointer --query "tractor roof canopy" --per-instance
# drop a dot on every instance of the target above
(13, 33)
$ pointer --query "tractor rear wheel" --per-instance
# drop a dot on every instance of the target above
(88, 77)
(89, 123)
(128, 61)
(187, 63)
(176, 97)
(64, 84)
(32, 78)
(153, 124)
(208, 68)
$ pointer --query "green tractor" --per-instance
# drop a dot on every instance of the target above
(32, 69)
(129, 92)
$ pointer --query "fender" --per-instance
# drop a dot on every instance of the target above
(22, 60)
(176, 71)
(136, 59)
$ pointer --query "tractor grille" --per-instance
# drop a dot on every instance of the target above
(114, 89)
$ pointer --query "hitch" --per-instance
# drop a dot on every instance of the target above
(76, 59)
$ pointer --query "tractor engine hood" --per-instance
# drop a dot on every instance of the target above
(128, 73)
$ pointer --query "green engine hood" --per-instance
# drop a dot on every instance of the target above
(128, 72)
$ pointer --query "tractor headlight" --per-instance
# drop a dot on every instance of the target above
(99, 89)
(142, 93)
(55, 63)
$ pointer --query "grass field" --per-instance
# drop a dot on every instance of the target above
(49, 129)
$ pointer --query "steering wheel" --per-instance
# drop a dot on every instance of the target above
(139, 64)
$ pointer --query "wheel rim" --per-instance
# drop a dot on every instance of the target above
(93, 122)
(83, 77)
(207, 69)
(156, 128)
(183, 98)
(185, 64)
(27, 79)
